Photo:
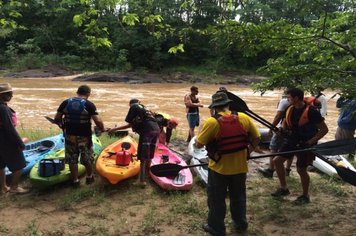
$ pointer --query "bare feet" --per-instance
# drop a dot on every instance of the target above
(5, 189)
(19, 190)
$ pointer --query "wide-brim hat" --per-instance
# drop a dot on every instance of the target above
(219, 99)
(5, 88)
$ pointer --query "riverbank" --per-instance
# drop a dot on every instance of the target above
(139, 77)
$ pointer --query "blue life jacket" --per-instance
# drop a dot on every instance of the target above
(75, 112)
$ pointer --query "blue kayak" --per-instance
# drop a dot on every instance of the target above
(37, 150)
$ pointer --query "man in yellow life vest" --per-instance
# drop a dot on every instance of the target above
(306, 126)
(228, 139)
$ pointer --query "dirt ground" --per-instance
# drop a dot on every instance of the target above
(126, 209)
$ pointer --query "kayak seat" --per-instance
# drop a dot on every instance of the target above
(179, 179)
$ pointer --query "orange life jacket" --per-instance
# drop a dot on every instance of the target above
(232, 137)
(303, 119)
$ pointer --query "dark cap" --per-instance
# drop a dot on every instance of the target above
(133, 101)
(84, 90)
(219, 99)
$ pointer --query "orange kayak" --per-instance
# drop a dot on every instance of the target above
(110, 166)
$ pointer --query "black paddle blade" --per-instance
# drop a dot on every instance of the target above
(50, 119)
(336, 147)
(345, 174)
(166, 170)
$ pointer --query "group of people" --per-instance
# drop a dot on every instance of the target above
(228, 135)
(74, 116)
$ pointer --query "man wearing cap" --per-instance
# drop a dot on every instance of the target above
(228, 139)
(165, 121)
(74, 116)
(11, 145)
(192, 105)
(142, 121)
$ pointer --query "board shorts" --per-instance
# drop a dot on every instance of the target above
(276, 142)
(193, 120)
(304, 159)
(342, 133)
(12, 159)
(147, 145)
(78, 146)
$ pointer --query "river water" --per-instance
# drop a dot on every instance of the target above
(35, 98)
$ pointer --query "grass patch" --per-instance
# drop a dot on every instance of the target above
(77, 196)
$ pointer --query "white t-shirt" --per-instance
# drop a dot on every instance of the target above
(282, 106)
(322, 99)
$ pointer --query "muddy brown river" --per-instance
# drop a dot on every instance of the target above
(35, 98)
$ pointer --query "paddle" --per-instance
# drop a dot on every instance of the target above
(335, 147)
(240, 105)
(51, 120)
(345, 174)
(97, 132)
(327, 148)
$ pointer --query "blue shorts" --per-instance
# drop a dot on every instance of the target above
(193, 120)
(276, 142)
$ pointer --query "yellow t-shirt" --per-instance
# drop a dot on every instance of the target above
(232, 163)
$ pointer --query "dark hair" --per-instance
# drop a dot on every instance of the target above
(296, 92)
(222, 89)
(83, 90)
(193, 88)
(133, 101)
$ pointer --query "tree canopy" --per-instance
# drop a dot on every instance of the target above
(306, 43)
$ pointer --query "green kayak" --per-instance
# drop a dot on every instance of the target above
(64, 175)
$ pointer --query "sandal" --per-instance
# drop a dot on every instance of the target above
(19, 190)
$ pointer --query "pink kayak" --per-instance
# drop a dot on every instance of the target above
(183, 181)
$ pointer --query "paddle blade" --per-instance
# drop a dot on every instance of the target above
(166, 170)
(336, 147)
(237, 103)
(345, 174)
(50, 119)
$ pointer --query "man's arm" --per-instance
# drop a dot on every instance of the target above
(58, 118)
(98, 122)
(322, 131)
(188, 102)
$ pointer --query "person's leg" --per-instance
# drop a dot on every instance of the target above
(74, 172)
(191, 127)
(15, 180)
(85, 146)
(71, 157)
(3, 186)
(237, 194)
(288, 166)
(142, 171)
(279, 166)
(305, 180)
(217, 190)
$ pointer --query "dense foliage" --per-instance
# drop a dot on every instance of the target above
(309, 43)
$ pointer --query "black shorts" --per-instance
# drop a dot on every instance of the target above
(304, 159)
(12, 159)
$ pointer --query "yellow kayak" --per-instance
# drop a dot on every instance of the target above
(118, 160)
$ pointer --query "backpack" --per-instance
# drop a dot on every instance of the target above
(313, 101)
